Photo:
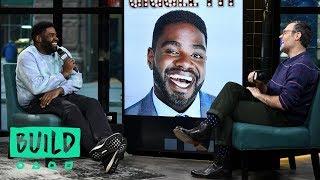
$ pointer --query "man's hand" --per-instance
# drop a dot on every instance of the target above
(254, 91)
(252, 76)
(68, 65)
(48, 96)
(272, 101)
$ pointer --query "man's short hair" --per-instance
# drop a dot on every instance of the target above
(174, 17)
(305, 31)
(40, 28)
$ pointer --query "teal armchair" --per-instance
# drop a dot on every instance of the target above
(15, 114)
(287, 140)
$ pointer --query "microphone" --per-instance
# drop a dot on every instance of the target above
(64, 56)
(262, 75)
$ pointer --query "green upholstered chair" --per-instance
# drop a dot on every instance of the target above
(288, 140)
(15, 114)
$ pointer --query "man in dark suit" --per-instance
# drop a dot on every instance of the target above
(177, 58)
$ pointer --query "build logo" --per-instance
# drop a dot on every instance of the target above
(45, 142)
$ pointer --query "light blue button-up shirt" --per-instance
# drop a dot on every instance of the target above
(38, 73)
(164, 110)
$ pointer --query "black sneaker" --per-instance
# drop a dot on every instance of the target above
(123, 148)
(106, 146)
(111, 162)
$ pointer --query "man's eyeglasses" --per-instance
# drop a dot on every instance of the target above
(286, 31)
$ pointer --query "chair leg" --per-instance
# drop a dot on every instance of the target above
(292, 162)
(244, 165)
(315, 164)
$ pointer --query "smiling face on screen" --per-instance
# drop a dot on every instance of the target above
(178, 63)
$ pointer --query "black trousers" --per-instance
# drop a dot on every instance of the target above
(236, 103)
(77, 111)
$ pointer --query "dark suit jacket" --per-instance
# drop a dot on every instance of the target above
(145, 106)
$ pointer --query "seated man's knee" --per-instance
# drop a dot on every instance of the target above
(93, 103)
(231, 85)
(72, 115)
(71, 109)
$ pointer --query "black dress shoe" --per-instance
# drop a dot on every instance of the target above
(195, 135)
(213, 171)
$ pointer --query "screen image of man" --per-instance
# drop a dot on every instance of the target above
(46, 84)
(178, 61)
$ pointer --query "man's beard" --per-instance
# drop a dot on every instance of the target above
(48, 47)
(281, 48)
(178, 99)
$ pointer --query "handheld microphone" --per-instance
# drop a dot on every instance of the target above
(261, 75)
(64, 56)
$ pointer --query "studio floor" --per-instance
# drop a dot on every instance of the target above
(141, 167)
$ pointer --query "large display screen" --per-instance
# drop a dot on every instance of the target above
(178, 56)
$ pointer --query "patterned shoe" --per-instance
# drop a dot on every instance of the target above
(111, 163)
(122, 148)
(106, 146)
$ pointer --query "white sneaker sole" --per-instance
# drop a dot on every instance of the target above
(111, 161)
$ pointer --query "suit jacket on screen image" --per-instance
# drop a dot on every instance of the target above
(145, 107)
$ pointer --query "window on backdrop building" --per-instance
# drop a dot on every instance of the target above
(91, 3)
(81, 3)
(113, 3)
(116, 64)
(300, 3)
(312, 19)
(49, 3)
(17, 29)
(80, 37)
(27, 3)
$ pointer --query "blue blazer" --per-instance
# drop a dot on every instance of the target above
(145, 106)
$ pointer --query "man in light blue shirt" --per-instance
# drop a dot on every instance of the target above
(47, 84)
